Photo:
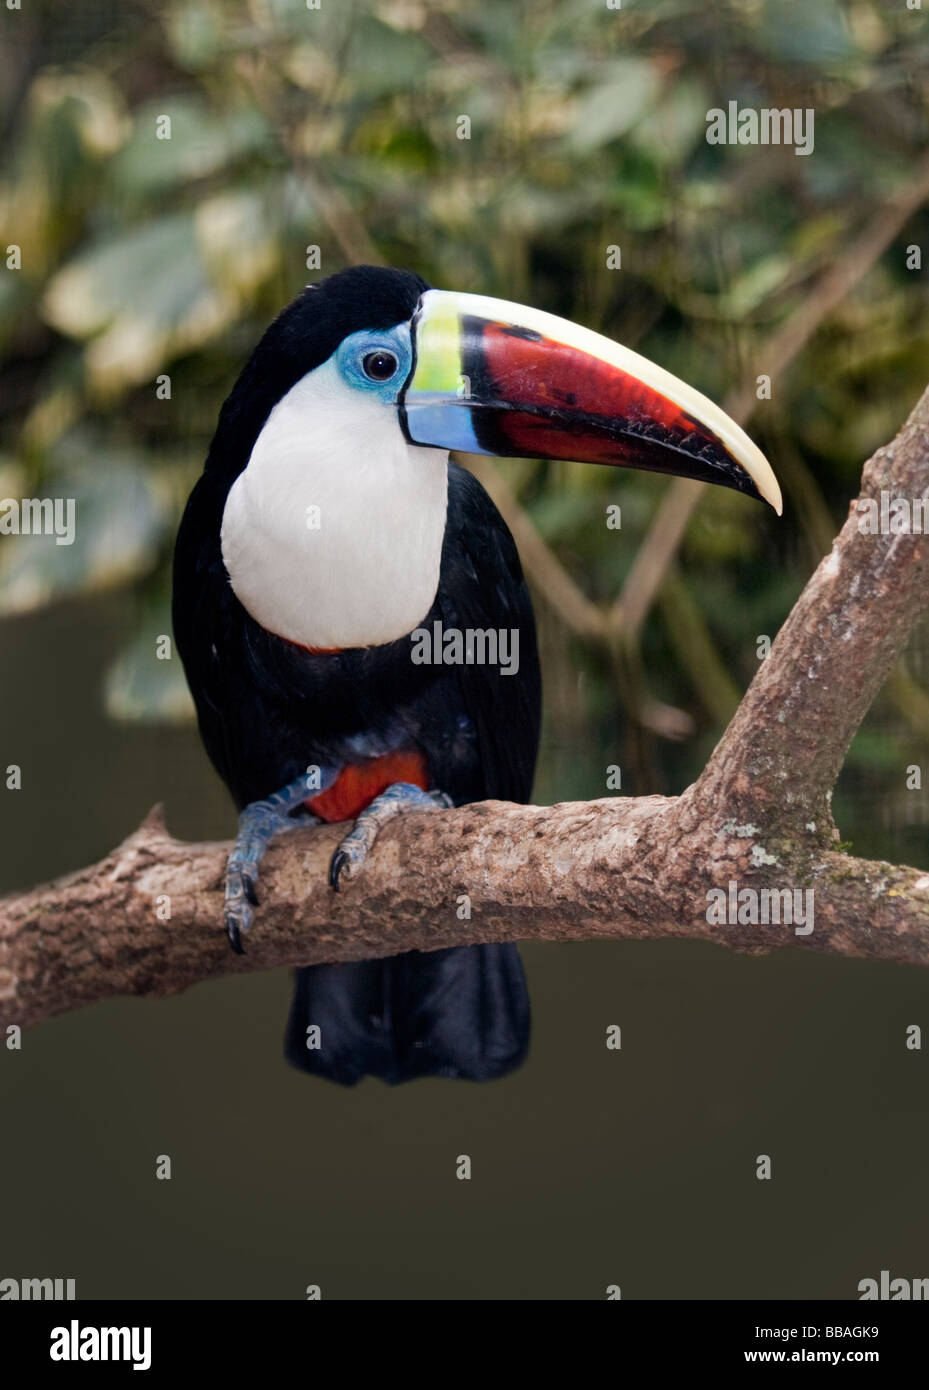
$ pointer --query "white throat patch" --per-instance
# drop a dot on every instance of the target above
(332, 534)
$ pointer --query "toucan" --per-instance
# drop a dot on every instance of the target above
(328, 527)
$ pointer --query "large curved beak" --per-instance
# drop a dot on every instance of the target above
(490, 377)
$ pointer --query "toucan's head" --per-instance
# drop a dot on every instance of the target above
(355, 395)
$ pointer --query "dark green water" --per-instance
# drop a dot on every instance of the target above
(589, 1167)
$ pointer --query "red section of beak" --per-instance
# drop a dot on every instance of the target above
(554, 401)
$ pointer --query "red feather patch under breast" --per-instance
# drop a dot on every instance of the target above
(359, 783)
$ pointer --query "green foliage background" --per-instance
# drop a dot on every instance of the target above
(338, 128)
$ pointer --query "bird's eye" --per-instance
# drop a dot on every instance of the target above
(379, 365)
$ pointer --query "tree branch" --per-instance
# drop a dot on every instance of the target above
(148, 918)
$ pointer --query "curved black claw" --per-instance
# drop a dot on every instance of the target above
(241, 898)
(336, 865)
(234, 935)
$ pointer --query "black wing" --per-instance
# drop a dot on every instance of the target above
(482, 586)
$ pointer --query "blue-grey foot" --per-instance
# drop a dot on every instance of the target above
(355, 848)
(258, 825)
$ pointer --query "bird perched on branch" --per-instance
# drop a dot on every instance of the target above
(328, 529)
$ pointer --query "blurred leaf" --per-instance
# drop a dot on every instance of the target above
(753, 286)
(385, 59)
(202, 142)
(162, 289)
(616, 102)
(237, 243)
(669, 131)
(111, 521)
(805, 33)
(195, 31)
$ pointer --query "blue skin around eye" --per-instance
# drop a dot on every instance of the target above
(352, 351)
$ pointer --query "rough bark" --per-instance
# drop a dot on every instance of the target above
(758, 817)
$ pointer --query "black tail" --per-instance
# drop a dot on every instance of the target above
(462, 1012)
